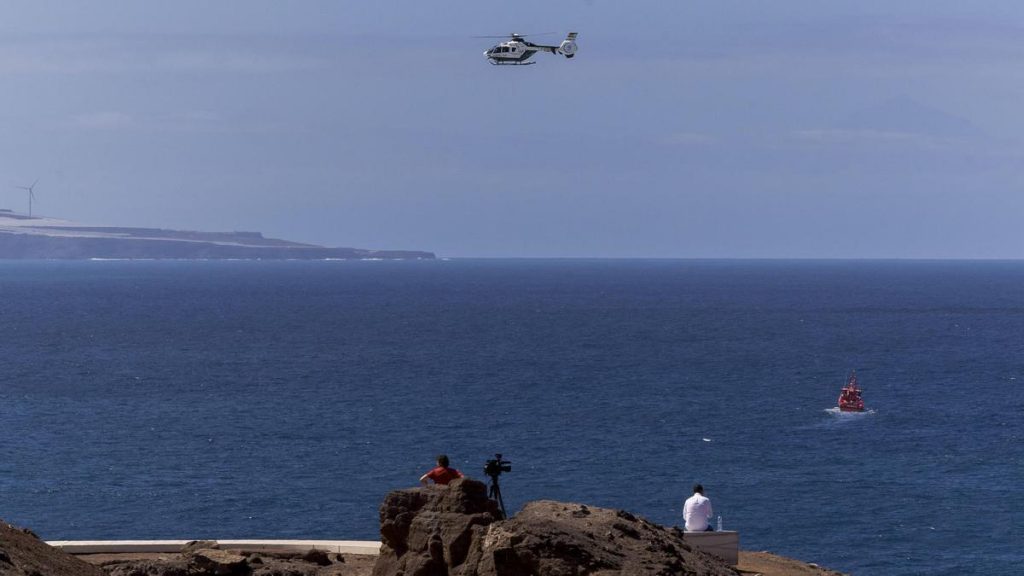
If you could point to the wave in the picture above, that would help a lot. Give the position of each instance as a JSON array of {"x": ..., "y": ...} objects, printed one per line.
[{"x": 835, "y": 411}]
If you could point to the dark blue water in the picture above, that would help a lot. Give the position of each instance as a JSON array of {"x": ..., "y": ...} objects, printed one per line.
[{"x": 256, "y": 399}]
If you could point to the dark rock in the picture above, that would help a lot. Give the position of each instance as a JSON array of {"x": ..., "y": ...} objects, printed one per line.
[
  {"x": 288, "y": 569},
  {"x": 22, "y": 553},
  {"x": 280, "y": 555},
  {"x": 626, "y": 529},
  {"x": 318, "y": 557},
  {"x": 147, "y": 568},
  {"x": 214, "y": 562},
  {"x": 197, "y": 545},
  {"x": 582, "y": 512}
]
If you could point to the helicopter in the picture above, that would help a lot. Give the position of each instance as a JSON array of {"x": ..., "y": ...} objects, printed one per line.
[{"x": 517, "y": 49}]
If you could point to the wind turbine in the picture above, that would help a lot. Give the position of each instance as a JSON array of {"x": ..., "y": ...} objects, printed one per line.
[{"x": 31, "y": 195}]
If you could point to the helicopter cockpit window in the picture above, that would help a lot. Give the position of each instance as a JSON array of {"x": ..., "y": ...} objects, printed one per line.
[{"x": 504, "y": 48}]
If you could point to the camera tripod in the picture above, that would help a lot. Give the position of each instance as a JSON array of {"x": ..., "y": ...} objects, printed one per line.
[{"x": 495, "y": 494}]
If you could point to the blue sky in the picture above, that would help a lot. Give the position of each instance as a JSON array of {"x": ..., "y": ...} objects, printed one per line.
[{"x": 696, "y": 129}]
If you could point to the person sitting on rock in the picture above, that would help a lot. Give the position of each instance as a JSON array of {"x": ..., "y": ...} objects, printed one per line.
[
  {"x": 443, "y": 474},
  {"x": 697, "y": 511}
]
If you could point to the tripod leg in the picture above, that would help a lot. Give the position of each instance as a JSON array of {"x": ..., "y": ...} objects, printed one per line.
[
  {"x": 501, "y": 503},
  {"x": 495, "y": 494}
]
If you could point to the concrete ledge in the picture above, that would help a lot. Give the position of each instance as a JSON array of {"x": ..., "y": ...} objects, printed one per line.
[
  {"x": 366, "y": 547},
  {"x": 117, "y": 546},
  {"x": 724, "y": 544}
]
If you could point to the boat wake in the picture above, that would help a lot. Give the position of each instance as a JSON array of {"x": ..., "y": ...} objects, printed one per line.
[{"x": 835, "y": 411}]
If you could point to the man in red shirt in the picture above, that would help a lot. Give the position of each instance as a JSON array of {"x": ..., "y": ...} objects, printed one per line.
[{"x": 442, "y": 474}]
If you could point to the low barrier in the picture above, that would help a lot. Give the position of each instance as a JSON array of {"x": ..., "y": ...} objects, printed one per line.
[
  {"x": 724, "y": 544},
  {"x": 366, "y": 547}
]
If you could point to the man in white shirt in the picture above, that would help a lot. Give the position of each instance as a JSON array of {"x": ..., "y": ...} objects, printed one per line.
[{"x": 697, "y": 511}]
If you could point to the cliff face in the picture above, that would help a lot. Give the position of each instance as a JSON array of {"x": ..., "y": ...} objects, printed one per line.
[{"x": 23, "y": 237}]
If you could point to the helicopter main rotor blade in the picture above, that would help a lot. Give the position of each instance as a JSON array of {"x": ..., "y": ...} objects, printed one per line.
[{"x": 515, "y": 35}]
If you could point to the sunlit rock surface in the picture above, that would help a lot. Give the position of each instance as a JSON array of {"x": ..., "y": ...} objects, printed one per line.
[{"x": 454, "y": 530}]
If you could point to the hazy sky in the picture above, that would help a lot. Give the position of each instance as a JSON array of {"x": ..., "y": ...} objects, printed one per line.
[{"x": 681, "y": 129}]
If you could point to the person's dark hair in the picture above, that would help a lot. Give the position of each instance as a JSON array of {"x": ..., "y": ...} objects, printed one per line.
[
  {"x": 442, "y": 460},
  {"x": 697, "y": 488}
]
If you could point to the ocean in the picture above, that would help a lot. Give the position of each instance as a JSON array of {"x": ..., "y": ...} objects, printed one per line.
[{"x": 195, "y": 399}]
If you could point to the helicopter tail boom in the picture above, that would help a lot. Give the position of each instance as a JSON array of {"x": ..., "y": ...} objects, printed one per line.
[{"x": 567, "y": 48}]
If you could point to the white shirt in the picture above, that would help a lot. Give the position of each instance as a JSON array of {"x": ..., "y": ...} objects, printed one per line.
[{"x": 696, "y": 512}]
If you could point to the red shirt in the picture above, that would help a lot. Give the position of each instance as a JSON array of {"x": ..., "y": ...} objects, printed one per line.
[{"x": 442, "y": 475}]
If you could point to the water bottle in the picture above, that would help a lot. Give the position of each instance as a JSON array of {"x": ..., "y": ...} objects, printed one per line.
[{"x": 719, "y": 523}]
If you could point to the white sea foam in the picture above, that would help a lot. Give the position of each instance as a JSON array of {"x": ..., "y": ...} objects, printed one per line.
[{"x": 835, "y": 411}]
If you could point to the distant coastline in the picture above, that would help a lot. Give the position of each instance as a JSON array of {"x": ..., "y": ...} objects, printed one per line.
[{"x": 25, "y": 237}]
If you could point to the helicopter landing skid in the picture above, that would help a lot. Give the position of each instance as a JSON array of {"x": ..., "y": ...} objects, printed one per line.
[{"x": 493, "y": 63}]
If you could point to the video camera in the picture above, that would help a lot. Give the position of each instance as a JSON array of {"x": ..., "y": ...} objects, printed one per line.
[
  {"x": 493, "y": 468},
  {"x": 496, "y": 466}
]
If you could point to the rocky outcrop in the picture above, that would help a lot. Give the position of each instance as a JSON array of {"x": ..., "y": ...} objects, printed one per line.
[
  {"x": 23, "y": 554},
  {"x": 428, "y": 531},
  {"x": 455, "y": 531},
  {"x": 556, "y": 538}
]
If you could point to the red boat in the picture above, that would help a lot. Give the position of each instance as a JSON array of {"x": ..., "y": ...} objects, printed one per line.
[{"x": 849, "y": 398}]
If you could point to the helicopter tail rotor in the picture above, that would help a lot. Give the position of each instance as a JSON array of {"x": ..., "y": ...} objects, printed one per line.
[{"x": 568, "y": 46}]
